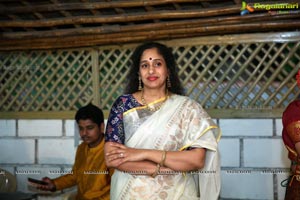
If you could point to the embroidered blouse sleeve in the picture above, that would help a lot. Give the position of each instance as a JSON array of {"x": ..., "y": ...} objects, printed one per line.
[{"x": 115, "y": 128}]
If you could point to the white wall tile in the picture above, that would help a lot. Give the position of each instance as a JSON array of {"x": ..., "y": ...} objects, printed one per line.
[
  {"x": 253, "y": 185},
  {"x": 246, "y": 127},
  {"x": 7, "y": 127},
  {"x": 56, "y": 151},
  {"x": 17, "y": 151},
  {"x": 265, "y": 153},
  {"x": 278, "y": 127},
  {"x": 229, "y": 152},
  {"x": 70, "y": 127},
  {"x": 40, "y": 128}
]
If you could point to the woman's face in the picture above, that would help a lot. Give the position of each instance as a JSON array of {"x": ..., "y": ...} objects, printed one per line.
[{"x": 153, "y": 69}]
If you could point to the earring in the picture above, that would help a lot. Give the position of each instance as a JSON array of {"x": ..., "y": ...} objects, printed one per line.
[
  {"x": 140, "y": 84},
  {"x": 168, "y": 82}
]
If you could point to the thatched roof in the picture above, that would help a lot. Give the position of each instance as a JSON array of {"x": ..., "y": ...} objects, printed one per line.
[{"x": 48, "y": 24}]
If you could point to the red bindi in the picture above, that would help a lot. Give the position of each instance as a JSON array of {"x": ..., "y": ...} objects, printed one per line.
[{"x": 150, "y": 58}]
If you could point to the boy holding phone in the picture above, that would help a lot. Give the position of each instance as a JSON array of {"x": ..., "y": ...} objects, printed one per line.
[{"x": 89, "y": 172}]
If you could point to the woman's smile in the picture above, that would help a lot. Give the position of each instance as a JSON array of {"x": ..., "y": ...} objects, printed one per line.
[{"x": 152, "y": 78}]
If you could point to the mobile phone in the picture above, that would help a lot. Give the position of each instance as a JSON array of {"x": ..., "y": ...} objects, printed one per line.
[{"x": 36, "y": 181}]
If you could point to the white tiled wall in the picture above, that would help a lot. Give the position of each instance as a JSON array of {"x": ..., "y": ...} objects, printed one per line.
[
  {"x": 264, "y": 152},
  {"x": 253, "y": 158},
  {"x": 40, "y": 128},
  {"x": 56, "y": 151},
  {"x": 246, "y": 127},
  {"x": 246, "y": 185},
  {"x": 278, "y": 127},
  {"x": 34, "y": 148},
  {"x": 7, "y": 127},
  {"x": 69, "y": 127},
  {"x": 230, "y": 152},
  {"x": 17, "y": 151}
]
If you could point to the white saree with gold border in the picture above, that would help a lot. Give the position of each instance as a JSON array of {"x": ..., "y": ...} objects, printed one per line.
[{"x": 180, "y": 123}]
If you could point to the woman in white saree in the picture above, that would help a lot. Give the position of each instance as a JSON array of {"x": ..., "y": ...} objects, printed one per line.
[{"x": 164, "y": 149}]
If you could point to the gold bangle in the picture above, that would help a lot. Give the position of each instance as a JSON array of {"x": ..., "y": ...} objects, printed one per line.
[
  {"x": 163, "y": 159},
  {"x": 156, "y": 171}
]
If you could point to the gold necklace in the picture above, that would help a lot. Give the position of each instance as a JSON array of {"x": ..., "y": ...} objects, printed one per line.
[{"x": 154, "y": 108}]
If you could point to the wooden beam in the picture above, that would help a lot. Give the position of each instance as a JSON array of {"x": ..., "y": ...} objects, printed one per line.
[
  {"x": 122, "y": 18},
  {"x": 128, "y": 37},
  {"x": 144, "y": 27},
  {"x": 90, "y": 6}
]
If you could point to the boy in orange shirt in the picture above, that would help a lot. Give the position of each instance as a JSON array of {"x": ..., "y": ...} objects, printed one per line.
[{"x": 89, "y": 172}]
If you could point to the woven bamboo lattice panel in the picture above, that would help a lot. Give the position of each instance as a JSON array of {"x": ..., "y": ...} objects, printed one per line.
[
  {"x": 254, "y": 77},
  {"x": 240, "y": 79},
  {"x": 45, "y": 80}
]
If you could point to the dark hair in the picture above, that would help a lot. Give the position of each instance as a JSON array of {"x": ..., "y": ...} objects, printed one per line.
[
  {"x": 166, "y": 52},
  {"x": 90, "y": 112}
]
